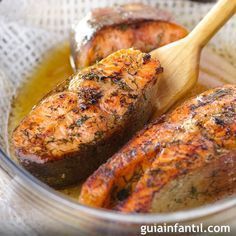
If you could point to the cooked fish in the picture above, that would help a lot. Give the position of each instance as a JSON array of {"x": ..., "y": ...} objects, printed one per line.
[
  {"x": 106, "y": 30},
  {"x": 83, "y": 122},
  {"x": 197, "y": 136}
]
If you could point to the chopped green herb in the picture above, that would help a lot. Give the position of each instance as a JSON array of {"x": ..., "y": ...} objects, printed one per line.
[
  {"x": 99, "y": 134},
  {"x": 80, "y": 121},
  {"x": 123, "y": 27},
  {"x": 193, "y": 191},
  {"x": 178, "y": 200},
  {"x": 90, "y": 76},
  {"x": 159, "y": 38}
]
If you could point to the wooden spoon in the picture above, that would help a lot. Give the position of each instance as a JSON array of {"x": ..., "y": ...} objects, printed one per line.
[{"x": 181, "y": 59}]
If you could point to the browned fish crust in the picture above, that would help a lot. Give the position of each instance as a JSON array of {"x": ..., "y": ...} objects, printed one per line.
[
  {"x": 84, "y": 121},
  {"x": 197, "y": 133}
]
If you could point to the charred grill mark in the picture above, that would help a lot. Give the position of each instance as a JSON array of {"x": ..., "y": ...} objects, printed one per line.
[
  {"x": 159, "y": 70},
  {"x": 146, "y": 58},
  {"x": 219, "y": 121},
  {"x": 90, "y": 76},
  {"x": 204, "y": 100},
  {"x": 123, "y": 85},
  {"x": 116, "y": 79},
  {"x": 62, "y": 96},
  {"x": 76, "y": 110},
  {"x": 98, "y": 76},
  {"x": 89, "y": 96},
  {"x": 132, "y": 96}
]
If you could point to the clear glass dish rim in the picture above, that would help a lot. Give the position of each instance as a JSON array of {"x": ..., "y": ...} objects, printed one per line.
[{"x": 109, "y": 215}]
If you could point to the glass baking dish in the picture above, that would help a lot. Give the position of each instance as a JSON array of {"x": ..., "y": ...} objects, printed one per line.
[{"x": 27, "y": 31}]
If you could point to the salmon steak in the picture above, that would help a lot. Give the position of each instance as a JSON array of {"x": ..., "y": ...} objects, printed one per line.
[
  {"x": 183, "y": 155},
  {"x": 84, "y": 121},
  {"x": 106, "y": 30}
]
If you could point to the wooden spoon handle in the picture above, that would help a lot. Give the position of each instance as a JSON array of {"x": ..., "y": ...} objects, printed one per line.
[{"x": 212, "y": 22}]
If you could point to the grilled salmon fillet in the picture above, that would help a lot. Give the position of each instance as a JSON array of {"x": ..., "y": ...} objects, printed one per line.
[
  {"x": 83, "y": 122},
  {"x": 106, "y": 30},
  {"x": 198, "y": 135}
]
